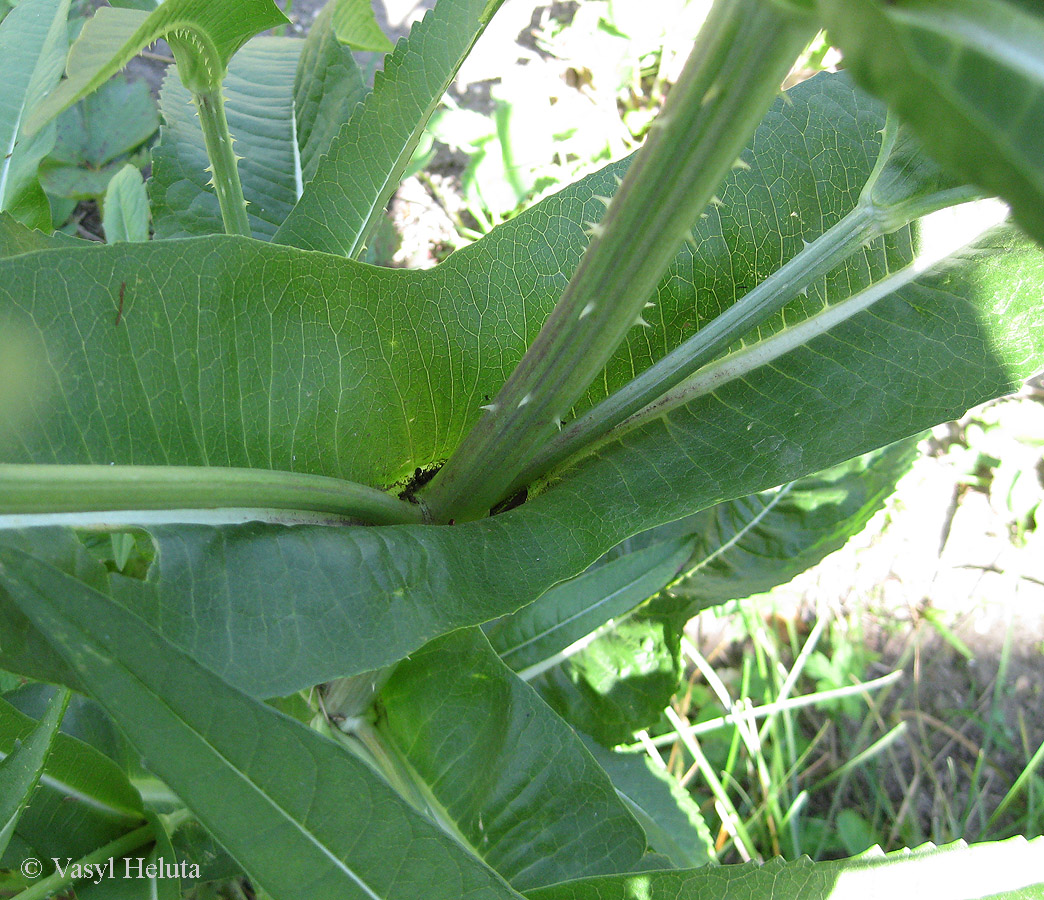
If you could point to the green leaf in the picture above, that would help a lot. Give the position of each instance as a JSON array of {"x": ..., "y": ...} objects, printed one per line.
[
  {"x": 20, "y": 769},
  {"x": 86, "y": 722},
  {"x": 620, "y": 682},
  {"x": 735, "y": 549},
  {"x": 522, "y": 792},
  {"x": 118, "y": 118},
  {"x": 205, "y": 35},
  {"x": 1008, "y": 870},
  {"x": 352, "y": 185},
  {"x": 212, "y": 364},
  {"x": 356, "y": 26},
  {"x": 76, "y": 183},
  {"x": 163, "y": 850},
  {"x": 126, "y": 211},
  {"x": 83, "y": 800},
  {"x": 572, "y": 610},
  {"x": 164, "y": 885},
  {"x": 749, "y": 545},
  {"x": 16, "y": 238},
  {"x": 968, "y": 75},
  {"x": 419, "y": 371},
  {"x": 671, "y": 818},
  {"x": 303, "y": 817},
  {"x": 33, "y": 42},
  {"x": 259, "y": 107},
  {"x": 328, "y": 88}
]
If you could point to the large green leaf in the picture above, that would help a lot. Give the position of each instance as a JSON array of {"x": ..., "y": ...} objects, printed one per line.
[
  {"x": 977, "y": 334},
  {"x": 210, "y": 33},
  {"x": 968, "y": 75},
  {"x": 302, "y": 816},
  {"x": 16, "y": 238},
  {"x": 83, "y": 800},
  {"x": 33, "y": 43},
  {"x": 212, "y": 366},
  {"x": 515, "y": 781},
  {"x": 259, "y": 107},
  {"x": 366, "y": 160},
  {"x": 21, "y": 768},
  {"x": 1009, "y": 870},
  {"x": 240, "y": 379}
]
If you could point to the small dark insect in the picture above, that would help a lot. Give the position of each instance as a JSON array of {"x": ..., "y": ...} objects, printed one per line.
[{"x": 119, "y": 308}]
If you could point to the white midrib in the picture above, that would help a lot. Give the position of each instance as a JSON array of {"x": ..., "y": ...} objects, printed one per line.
[
  {"x": 740, "y": 534},
  {"x": 245, "y": 778},
  {"x": 989, "y": 214},
  {"x": 91, "y": 646},
  {"x": 558, "y": 626},
  {"x": 9, "y": 156},
  {"x": 298, "y": 175}
]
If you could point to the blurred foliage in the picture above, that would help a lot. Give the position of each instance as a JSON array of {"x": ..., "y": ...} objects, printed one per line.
[
  {"x": 546, "y": 129},
  {"x": 1000, "y": 452}
]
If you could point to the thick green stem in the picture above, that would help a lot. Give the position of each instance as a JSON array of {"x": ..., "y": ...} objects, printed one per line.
[
  {"x": 766, "y": 299},
  {"x": 28, "y": 489},
  {"x": 117, "y": 849},
  {"x": 884, "y": 207},
  {"x": 223, "y": 162},
  {"x": 742, "y": 54}
]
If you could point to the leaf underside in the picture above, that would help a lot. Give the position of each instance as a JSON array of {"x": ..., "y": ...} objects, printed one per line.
[
  {"x": 302, "y": 816},
  {"x": 245, "y": 378}
]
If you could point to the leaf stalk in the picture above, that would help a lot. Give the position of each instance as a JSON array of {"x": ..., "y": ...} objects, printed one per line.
[
  {"x": 742, "y": 54},
  {"x": 887, "y": 203},
  {"x": 32, "y": 489},
  {"x": 210, "y": 105}
]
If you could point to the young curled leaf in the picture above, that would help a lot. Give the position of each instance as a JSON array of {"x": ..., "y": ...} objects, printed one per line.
[{"x": 204, "y": 36}]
